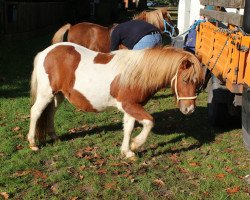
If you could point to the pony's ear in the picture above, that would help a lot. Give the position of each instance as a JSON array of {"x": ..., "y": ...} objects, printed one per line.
[{"x": 185, "y": 64}]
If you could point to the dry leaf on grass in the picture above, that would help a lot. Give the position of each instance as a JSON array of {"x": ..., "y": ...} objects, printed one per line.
[
  {"x": 19, "y": 147},
  {"x": 183, "y": 170},
  {"x": 102, "y": 171},
  {"x": 15, "y": 129},
  {"x": 174, "y": 158},
  {"x": 110, "y": 185},
  {"x": 194, "y": 164},
  {"x": 233, "y": 190},
  {"x": 220, "y": 176},
  {"x": 5, "y": 195},
  {"x": 159, "y": 182},
  {"x": 229, "y": 170}
]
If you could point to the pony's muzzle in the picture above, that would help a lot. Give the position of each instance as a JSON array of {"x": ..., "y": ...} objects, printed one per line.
[{"x": 187, "y": 110}]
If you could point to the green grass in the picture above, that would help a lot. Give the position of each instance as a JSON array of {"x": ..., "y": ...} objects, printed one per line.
[{"x": 183, "y": 158}]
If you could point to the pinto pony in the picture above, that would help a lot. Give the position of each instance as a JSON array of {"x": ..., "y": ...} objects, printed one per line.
[
  {"x": 97, "y": 37},
  {"x": 125, "y": 79}
]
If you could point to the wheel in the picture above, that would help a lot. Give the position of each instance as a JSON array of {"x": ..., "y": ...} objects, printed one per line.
[
  {"x": 217, "y": 110},
  {"x": 221, "y": 109}
]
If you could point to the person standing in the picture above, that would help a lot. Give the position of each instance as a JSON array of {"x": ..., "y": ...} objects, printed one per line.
[{"x": 135, "y": 34}]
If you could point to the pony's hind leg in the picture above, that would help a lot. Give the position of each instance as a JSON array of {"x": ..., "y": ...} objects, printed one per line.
[
  {"x": 36, "y": 125},
  {"x": 54, "y": 106},
  {"x": 128, "y": 126}
]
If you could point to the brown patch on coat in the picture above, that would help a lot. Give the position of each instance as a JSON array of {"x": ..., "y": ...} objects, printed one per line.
[
  {"x": 132, "y": 100},
  {"x": 60, "y": 65},
  {"x": 103, "y": 58}
]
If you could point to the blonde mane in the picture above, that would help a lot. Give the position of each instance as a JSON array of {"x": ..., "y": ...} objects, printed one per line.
[
  {"x": 155, "y": 17},
  {"x": 154, "y": 68}
]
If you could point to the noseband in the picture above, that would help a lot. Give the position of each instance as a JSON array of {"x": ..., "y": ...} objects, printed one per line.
[
  {"x": 166, "y": 23},
  {"x": 176, "y": 91}
]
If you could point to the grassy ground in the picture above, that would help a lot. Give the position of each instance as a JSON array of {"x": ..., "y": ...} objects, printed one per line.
[{"x": 184, "y": 157}]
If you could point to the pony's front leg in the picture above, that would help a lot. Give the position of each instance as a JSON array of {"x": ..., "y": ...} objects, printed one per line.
[
  {"x": 128, "y": 126},
  {"x": 137, "y": 112},
  {"x": 140, "y": 139}
]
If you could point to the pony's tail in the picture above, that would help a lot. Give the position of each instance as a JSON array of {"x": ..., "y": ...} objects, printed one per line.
[
  {"x": 59, "y": 35},
  {"x": 42, "y": 124},
  {"x": 33, "y": 84}
]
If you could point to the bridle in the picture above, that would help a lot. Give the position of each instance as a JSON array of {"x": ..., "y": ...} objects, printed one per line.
[
  {"x": 166, "y": 23},
  {"x": 176, "y": 91}
]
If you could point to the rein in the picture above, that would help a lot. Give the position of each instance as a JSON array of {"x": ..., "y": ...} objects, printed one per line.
[{"x": 176, "y": 91}]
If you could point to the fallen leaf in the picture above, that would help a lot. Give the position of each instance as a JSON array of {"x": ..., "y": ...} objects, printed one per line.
[
  {"x": 247, "y": 179},
  {"x": 5, "y": 195},
  {"x": 110, "y": 185},
  {"x": 19, "y": 147},
  {"x": 100, "y": 162},
  {"x": 229, "y": 170},
  {"x": 116, "y": 164},
  {"x": 83, "y": 167},
  {"x": 2, "y": 124},
  {"x": 38, "y": 174},
  {"x": 183, "y": 170},
  {"x": 206, "y": 194},
  {"x": 194, "y": 164},
  {"x": 233, "y": 190},
  {"x": 159, "y": 182},
  {"x": 220, "y": 175},
  {"x": 17, "y": 128},
  {"x": 174, "y": 158},
  {"x": 88, "y": 149},
  {"x": 229, "y": 150},
  {"x": 54, "y": 188},
  {"x": 79, "y": 153},
  {"x": 102, "y": 171},
  {"x": 74, "y": 198},
  {"x": 25, "y": 117},
  {"x": 21, "y": 173}
]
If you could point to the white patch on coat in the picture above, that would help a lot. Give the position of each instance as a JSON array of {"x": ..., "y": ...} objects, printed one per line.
[{"x": 93, "y": 80}]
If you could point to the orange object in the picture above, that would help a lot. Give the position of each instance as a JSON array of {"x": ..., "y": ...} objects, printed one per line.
[{"x": 226, "y": 54}]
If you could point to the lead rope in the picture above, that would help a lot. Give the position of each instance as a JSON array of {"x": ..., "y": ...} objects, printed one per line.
[{"x": 176, "y": 91}]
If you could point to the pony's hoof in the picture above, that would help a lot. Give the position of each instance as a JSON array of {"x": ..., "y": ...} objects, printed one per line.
[
  {"x": 133, "y": 158},
  {"x": 128, "y": 154},
  {"x": 34, "y": 148},
  {"x": 134, "y": 146}
]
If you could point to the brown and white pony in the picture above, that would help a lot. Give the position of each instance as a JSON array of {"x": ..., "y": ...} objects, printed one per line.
[
  {"x": 125, "y": 79},
  {"x": 97, "y": 37}
]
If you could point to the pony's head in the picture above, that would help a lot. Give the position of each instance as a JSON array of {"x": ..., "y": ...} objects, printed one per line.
[
  {"x": 154, "y": 68},
  {"x": 159, "y": 18},
  {"x": 185, "y": 83},
  {"x": 169, "y": 26}
]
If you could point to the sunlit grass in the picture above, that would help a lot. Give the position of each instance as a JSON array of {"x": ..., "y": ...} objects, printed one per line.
[{"x": 183, "y": 158}]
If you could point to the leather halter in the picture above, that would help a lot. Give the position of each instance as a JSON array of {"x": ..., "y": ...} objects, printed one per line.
[{"x": 176, "y": 91}]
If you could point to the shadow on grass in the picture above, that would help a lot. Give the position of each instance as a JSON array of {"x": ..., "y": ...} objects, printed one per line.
[
  {"x": 166, "y": 123},
  {"x": 14, "y": 90}
]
